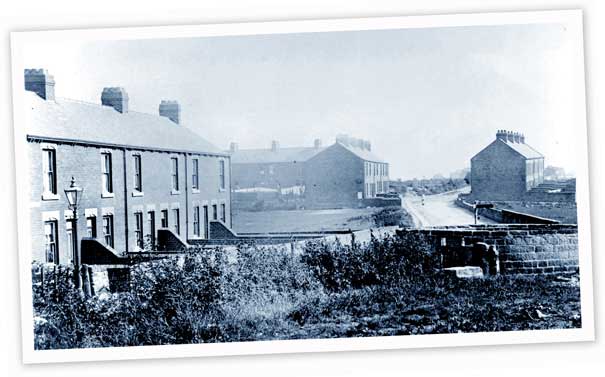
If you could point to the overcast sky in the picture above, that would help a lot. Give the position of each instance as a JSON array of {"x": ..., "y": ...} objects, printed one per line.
[{"x": 428, "y": 99}]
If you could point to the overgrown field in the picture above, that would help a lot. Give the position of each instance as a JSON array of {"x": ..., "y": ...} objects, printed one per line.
[{"x": 388, "y": 286}]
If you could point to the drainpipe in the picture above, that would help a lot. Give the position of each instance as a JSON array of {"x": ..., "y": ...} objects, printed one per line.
[
  {"x": 230, "y": 188},
  {"x": 125, "y": 198},
  {"x": 187, "y": 199}
]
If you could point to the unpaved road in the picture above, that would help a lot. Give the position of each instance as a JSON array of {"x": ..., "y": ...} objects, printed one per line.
[{"x": 439, "y": 210}]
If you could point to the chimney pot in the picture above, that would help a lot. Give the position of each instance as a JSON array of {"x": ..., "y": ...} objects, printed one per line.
[
  {"x": 170, "y": 110},
  {"x": 40, "y": 82},
  {"x": 115, "y": 97},
  {"x": 501, "y": 134}
]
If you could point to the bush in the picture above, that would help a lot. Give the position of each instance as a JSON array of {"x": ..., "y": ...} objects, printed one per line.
[{"x": 379, "y": 262}]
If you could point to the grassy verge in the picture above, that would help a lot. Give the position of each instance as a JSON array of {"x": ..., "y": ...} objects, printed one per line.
[{"x": 388, "y": 286}]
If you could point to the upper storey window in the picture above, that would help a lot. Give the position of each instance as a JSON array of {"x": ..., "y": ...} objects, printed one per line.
[
  {"x": 175, "y": 173},
  {"x": 138, "y": 178},
  {"x": 107, "y": 174},
  {"x": 50, "y": 171},
  {"x": 195, "y": 184},
  {"x": 221, "y": 166}
]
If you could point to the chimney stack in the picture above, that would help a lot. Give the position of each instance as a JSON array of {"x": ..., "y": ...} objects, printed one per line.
[
  {"x": 274, "y": 146},
  {"x": 367, "y": 145},
  {"x": 522, "y": 138},
  {"x": 501, "y": 135},
  {"x": 343, "y": 139},
  {"x": 510, "y": 136},
  {"x": 517, "y": 137},
  {"x": 233, "y": 147},
  {"x": 116, "y": 98},
  {"x": 171, "y": 110},
  {"x": 40, "y": 82},
  {"x": 317, "y": 143}
]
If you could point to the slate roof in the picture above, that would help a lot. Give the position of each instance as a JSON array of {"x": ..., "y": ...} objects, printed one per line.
[
  {"x": 70, "y": 120},
  {"x": 364, "y": 154},
  {"x": 523, "y": 149},
  {"x": 265, "y": 156},
  {"x": 292, "y": 154}
]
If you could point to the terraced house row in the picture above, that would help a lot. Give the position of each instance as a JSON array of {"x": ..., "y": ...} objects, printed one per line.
[{"x": 138, "y": 172}]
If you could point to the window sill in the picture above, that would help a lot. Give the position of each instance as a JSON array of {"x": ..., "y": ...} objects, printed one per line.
[
  {"x": 49, "y": 196},
  {"x": 175, "y": 192},
  {"x": 106, "y": 194},
  {"x": 195, "y": 191},
  {"x": 138, "y": 193}
]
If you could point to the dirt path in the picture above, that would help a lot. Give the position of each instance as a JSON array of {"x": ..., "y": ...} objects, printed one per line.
[{"x": 439, "y": 210}]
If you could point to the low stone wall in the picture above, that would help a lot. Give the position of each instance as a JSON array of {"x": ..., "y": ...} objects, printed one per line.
[
  {"x": 522, "y": 249},
  {"x": 505, "y": 216}
]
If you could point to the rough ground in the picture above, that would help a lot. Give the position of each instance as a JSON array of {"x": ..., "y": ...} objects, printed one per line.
[{"x": 304, "y": 220}]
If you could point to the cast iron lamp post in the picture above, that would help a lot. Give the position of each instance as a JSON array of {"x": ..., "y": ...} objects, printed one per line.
[{"x": 74, "y": 194}]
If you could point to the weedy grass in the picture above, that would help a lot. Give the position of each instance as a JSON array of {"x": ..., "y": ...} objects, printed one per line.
[{"x": 389, "y": 286}]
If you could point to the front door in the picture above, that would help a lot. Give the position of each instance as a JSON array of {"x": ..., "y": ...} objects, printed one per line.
[{"x": 206, "y": 222}]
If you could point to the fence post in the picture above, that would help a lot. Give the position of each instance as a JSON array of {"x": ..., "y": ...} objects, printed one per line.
[
  {"x": 91, "y": 281},
  {"x": 42, "y": 286},
  {"x": 85, "y": 281}
]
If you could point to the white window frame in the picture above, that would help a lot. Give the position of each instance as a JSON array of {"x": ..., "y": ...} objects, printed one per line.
[
  {"x": 195, "y": 175},
  {"x": 137, "y": 162},
  {"x": 107, "y": 175},
  {"x": 47, "y": 194},
  {"x": 174, "y": 184}
]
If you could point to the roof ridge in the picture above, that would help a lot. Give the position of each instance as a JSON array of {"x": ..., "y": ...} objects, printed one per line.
[{"x": 101, "y": 106}]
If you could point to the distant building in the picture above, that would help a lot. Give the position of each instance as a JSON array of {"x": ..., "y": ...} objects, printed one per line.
[
  {"x": 344, "y": 174},
  {"x": 506, "y": 170},
  {"x": 139, "y": 173}
]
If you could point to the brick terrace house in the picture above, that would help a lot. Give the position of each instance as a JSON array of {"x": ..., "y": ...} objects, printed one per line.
[
  {"x": 139, "y": 173},
  {"x": 344, "y": 174},
  {"x": 506, "y": 170}
]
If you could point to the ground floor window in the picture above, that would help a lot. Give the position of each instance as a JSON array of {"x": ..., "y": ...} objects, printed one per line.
[
  {"x": 196, "y": 221},
  {"x": 50, "y": 236},
  {"x": 214, "y": 212},
  {"x": 108, "y": 230},
  {"x": 223, "y": 213},
  {"x": 177, "y": 223},
  {"x": 138, "y": 229}
]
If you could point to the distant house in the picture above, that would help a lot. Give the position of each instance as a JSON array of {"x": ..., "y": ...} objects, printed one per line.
[
  {"x": 139, "y": 173},
  {"x": 275, "y": 167},
  {"x": 344, "y": 174},
  {"x": 506, "y": 170}
]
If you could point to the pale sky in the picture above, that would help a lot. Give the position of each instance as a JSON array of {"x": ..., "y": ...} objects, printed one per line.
[{"x": 428, "y": 99}]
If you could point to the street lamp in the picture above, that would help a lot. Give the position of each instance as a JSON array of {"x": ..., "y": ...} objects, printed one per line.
[{"x": 74, "y": 194}]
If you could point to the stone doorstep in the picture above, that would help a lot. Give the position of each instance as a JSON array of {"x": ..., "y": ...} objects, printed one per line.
[{"x": 465, "y": 272}]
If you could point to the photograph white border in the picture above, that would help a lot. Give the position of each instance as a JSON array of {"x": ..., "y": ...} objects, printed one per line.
[{"x": 571, "y": 18}]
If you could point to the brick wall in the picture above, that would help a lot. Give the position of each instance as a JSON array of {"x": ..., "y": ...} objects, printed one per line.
[
  {"x": 523, "y": 249},
  {"x": 333, "y": 178},
  {"x": 498, "y": 173},
  {"x": 85, "y": 164}
]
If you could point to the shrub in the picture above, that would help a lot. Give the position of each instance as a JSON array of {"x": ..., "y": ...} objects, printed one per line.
[{"x": 385, "y": 261}]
